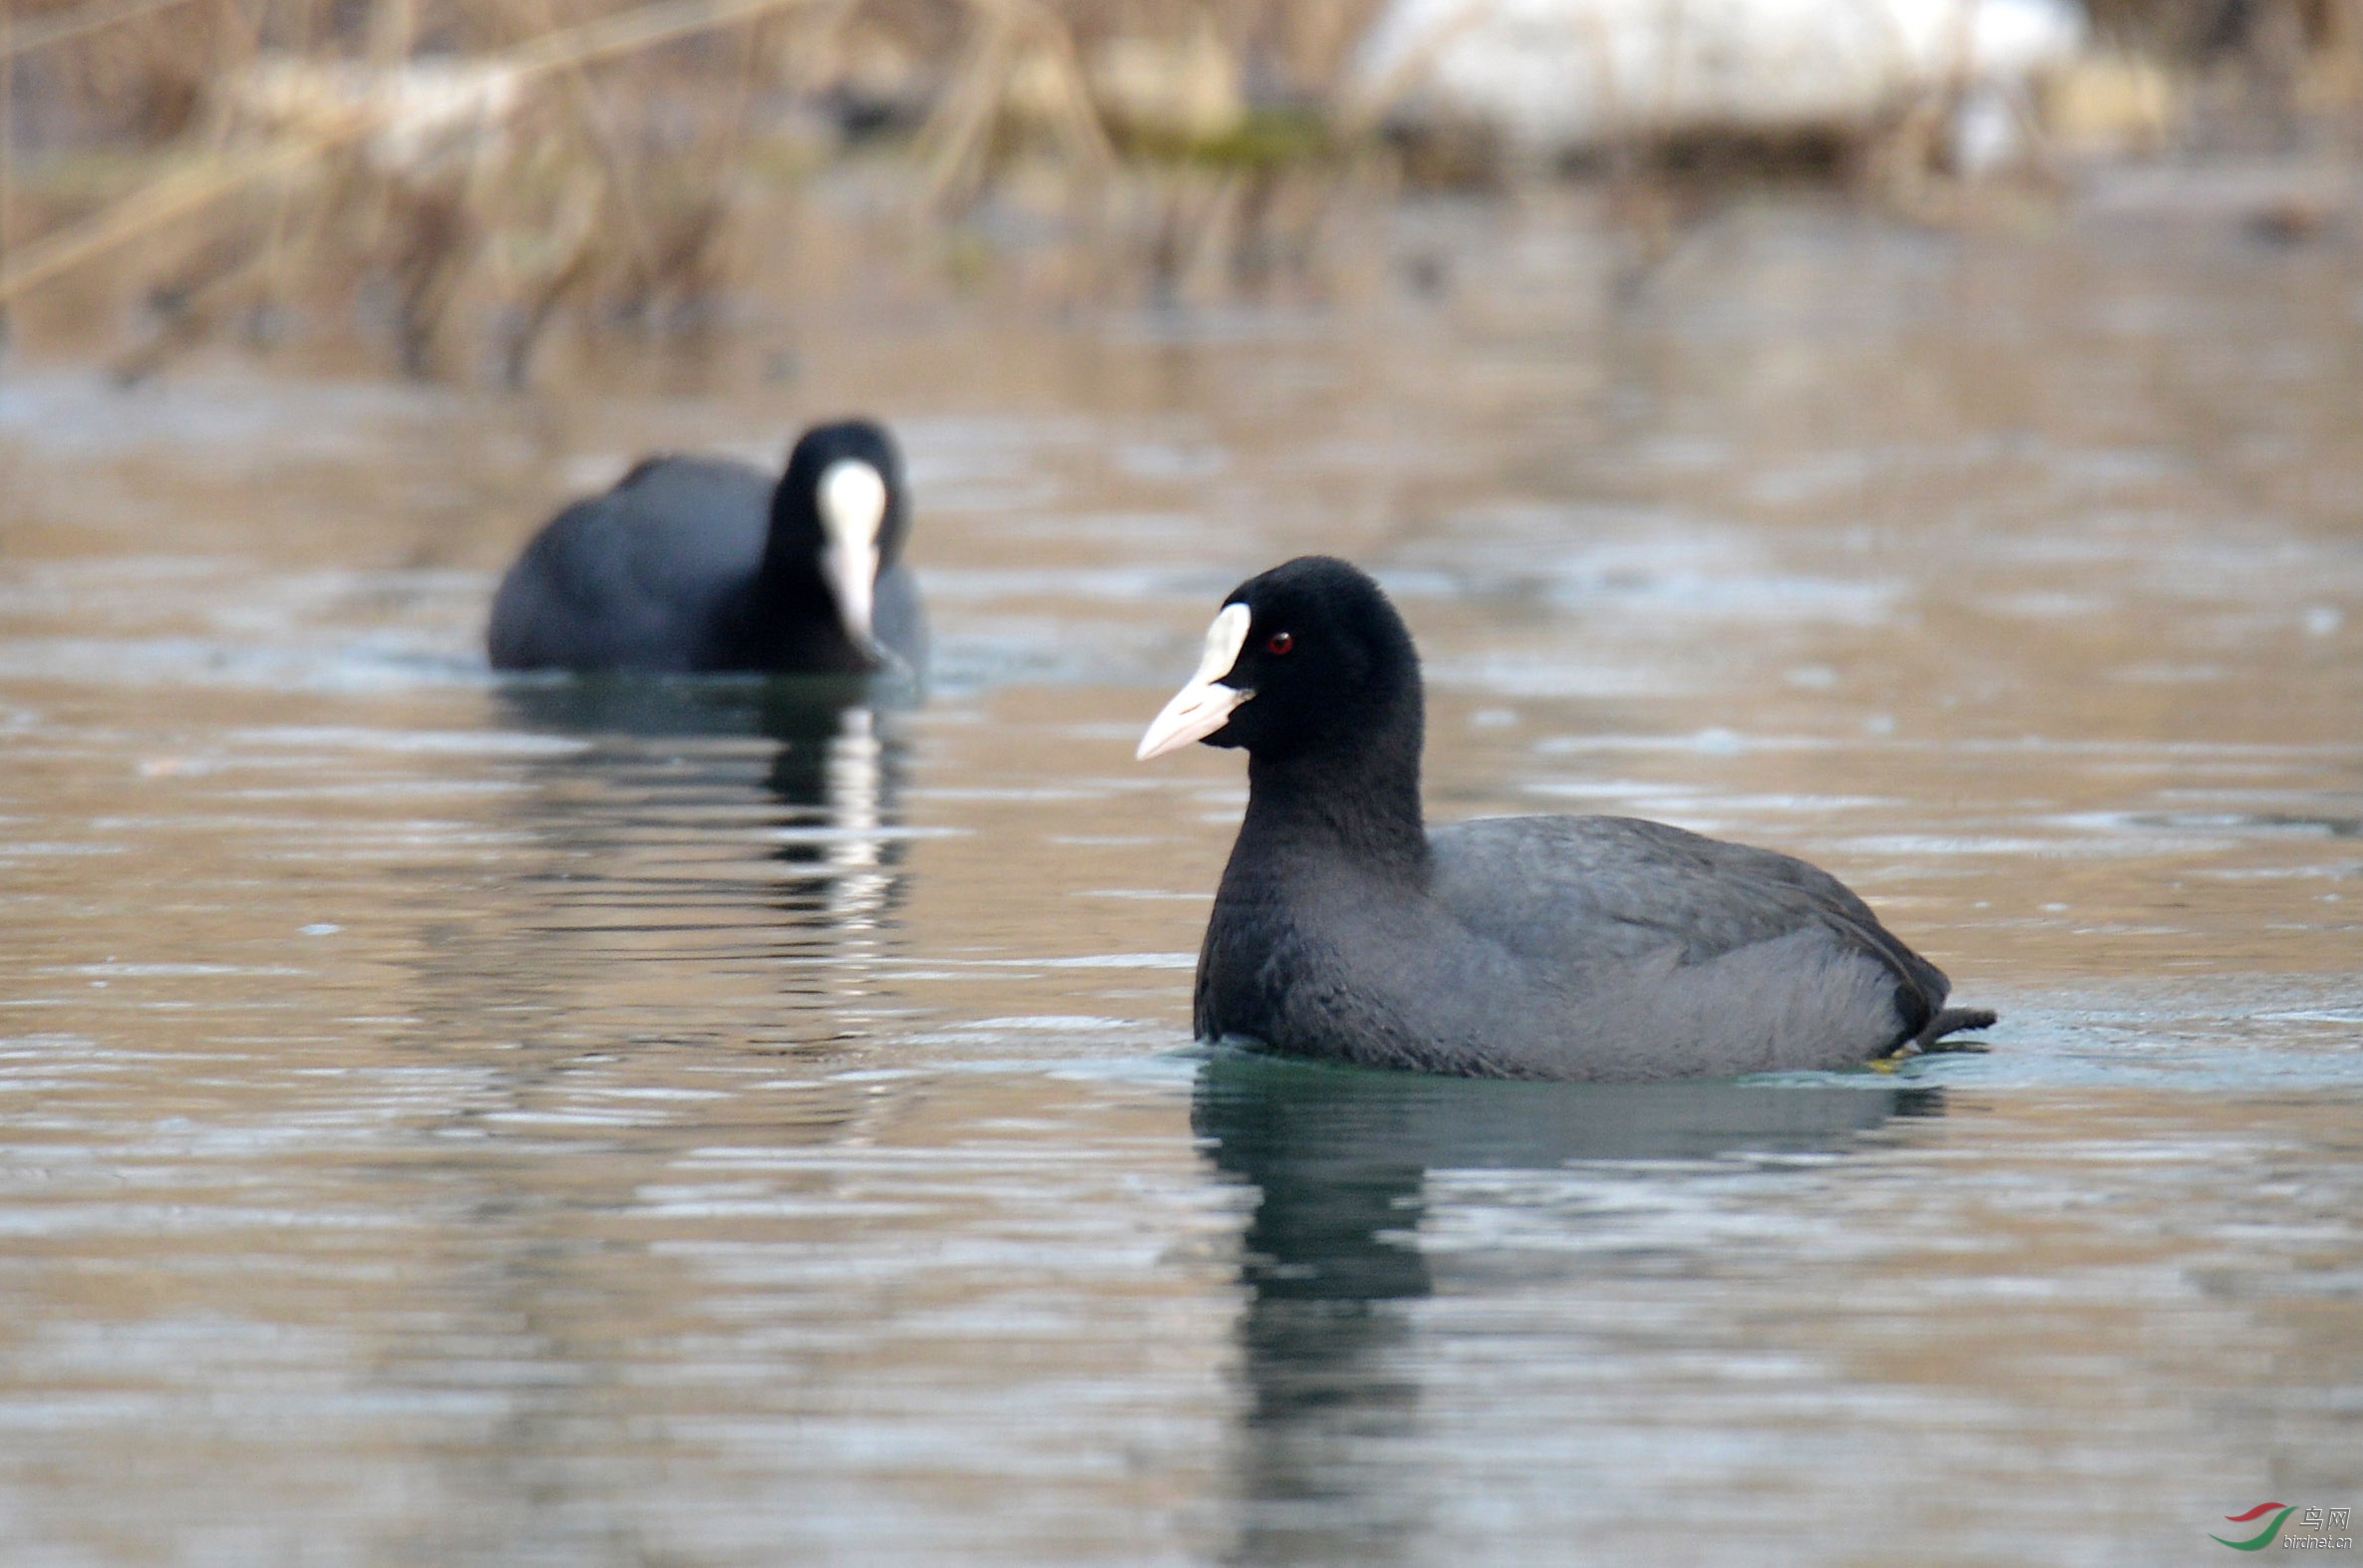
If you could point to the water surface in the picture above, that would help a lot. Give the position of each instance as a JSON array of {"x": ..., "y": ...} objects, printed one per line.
[{"x": 641, "y": 1123}]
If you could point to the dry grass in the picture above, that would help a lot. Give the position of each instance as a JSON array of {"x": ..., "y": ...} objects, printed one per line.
[
  {"x": 462, "y": 175},
  {"x": 553, "y": 155}
]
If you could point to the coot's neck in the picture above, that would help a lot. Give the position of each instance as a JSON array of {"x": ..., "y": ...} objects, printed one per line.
[
  {"x": 1360, "y": 795},
  {"x": 788, "y": 620}
]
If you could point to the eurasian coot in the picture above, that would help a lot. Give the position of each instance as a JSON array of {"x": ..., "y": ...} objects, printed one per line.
[
  {"x": 696, "y": 564},
  {"x": 1544, "y": 947}
]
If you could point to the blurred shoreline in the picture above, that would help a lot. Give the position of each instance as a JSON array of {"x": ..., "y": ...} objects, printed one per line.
[{"x": 473, "y": 195}]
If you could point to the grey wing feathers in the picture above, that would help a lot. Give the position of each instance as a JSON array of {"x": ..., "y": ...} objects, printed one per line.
[
  {"x": 606, "y": 583},
  {"x": 1579, "y": 887}
]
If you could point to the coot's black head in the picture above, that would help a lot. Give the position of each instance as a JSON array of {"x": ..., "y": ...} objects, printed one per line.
[
  {"x": 1308, "y": 659},
  {"x": 840, "y": 513}
]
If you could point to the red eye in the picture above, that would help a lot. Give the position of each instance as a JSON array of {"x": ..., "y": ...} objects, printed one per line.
[{"x": 1279, "y": 642}]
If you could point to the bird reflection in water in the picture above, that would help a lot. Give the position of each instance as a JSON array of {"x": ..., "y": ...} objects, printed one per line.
[
  {"x": 1339, "y": 1160},
  {"x": 840, "y": 774},
  {"x": 717, "y": 872},
  {"x": 669, "y": 756}
]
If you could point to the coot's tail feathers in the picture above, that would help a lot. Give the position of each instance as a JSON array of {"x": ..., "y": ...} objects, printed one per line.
[{"x": 1953, "y": 1021}]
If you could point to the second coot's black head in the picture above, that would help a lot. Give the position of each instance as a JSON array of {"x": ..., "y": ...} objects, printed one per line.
[{"x": 839, "y": 521}]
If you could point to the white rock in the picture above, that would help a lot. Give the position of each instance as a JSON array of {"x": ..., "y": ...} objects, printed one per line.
[{"x": 1554, "y": 76}]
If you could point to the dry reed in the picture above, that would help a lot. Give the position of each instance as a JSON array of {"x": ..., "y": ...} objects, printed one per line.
[{"x": 436, "y": 162}]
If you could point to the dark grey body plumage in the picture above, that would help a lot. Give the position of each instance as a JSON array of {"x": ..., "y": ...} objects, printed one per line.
[
  {"x": 694, "y": 566},
  {"x": 1545, "y": 947}
]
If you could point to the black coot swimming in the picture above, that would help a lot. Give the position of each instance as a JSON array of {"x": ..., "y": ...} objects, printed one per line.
[
  {"x": 1541, "y": 947},
  {"x": 701, "y": 565}
]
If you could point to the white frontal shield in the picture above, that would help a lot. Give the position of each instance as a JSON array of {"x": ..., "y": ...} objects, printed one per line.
[
  {"x": 852, "y": 506},
  {"x": 1204, "y": 704}
]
